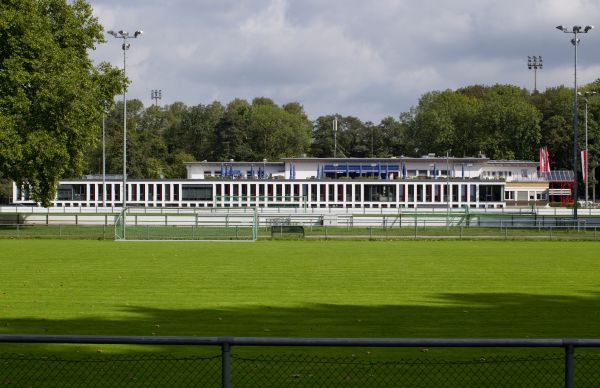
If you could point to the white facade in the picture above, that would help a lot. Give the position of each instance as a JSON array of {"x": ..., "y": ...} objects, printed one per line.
[{"x": 324, "y": 183}]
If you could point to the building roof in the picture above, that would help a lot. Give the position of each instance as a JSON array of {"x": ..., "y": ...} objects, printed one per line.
[{"x": 387, "y": 160}]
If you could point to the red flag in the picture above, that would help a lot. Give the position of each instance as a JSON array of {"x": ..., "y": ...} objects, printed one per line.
[
  {"x": 547, "y": 157},
  {"x": 542, "y": 163},
  {"x": 583, "y": 165}
]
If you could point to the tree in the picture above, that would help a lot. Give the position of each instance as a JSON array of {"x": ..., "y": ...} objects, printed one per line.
[
  {"x": 322, "y": 137},
  {"x": 448, "y": 121},
  {"x": 511, "y": 124},
  {"x": 51, "y": 95},
  {"x": 499, "y": 121},
  {"x": 201, "y": 122},
  {"x": 232, "y": 132},
  {"x": 276, "y": 133},
  {"x": 394, "y": 138}
]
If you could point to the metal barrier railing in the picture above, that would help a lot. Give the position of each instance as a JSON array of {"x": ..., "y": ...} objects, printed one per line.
[{"x": 226, "y": 344}]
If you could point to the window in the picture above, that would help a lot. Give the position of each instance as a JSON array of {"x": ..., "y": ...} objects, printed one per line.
[
  {"x": 70, "y": 193},
  {"x": 197, "y": 193},
  {"x": 490, "y": 193},
  {"x": 380, "y": 193}
]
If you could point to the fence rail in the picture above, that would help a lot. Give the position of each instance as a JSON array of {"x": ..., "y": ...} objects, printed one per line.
[
  {"x": 425, "y": 229},
  {"x": 555, "y": 371}
]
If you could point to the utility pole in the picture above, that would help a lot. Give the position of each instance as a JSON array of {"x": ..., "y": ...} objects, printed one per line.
[
  {"x": 575, "y": 41},
  {"x": 125, "y": 36},
  {"x": 335, "y": 127}
]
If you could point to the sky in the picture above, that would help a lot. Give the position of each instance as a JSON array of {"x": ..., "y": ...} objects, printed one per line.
[{"x": 351, "y": 57}]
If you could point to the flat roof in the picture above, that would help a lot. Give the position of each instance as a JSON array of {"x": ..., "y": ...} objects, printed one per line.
[
  {"x": 239, "y": 163},
  {"x": 388, "y": 160}
]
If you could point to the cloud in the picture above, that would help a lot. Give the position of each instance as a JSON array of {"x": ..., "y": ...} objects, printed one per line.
[{"x": 366, "y": 59}]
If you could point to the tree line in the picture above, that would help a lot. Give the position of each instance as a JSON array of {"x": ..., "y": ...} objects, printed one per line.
[{"x": 500, "y": 121}]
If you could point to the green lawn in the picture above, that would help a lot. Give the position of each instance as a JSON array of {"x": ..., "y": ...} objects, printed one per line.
[{"x": 301, "y": 289}]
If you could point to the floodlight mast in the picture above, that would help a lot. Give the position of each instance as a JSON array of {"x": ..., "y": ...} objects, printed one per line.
[
  {"x": 575, "y": 41},
  {"x": 122, "y": 34},
  {"x": 535, "y": 63}
]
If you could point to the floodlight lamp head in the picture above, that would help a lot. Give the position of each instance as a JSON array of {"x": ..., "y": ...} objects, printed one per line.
[
  {"x": 111, "y": 32},
  {"x": 138, "y": 33},
  {"x": 587, "y": 28},
  {"x": 562, "y": 28},
  {"x": 576, "y": 28},
  {"x": 123, "y": 33}
]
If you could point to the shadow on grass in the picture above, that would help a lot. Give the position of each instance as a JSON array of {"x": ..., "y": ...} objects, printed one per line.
[
  {"x": 481, "y": 315},
  {"x": 450, "y": 315}
]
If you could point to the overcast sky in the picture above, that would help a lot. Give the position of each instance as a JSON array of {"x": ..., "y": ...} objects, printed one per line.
[{"x": 352, "y": 57}]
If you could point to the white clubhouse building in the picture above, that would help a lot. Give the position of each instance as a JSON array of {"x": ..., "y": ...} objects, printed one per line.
[{"x": 397, "y": 182}]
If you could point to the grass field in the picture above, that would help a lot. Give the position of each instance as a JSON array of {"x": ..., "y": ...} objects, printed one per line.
[{"x": 302, "y": 289}]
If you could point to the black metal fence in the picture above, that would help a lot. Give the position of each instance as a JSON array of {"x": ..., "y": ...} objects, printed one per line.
[{"x": 560, "y": 368}]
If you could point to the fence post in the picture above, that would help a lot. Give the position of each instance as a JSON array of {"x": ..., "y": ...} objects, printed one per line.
[
  {"x": 461, "y": 232},
  {"x": 370, "y": 233},
  {"x": 595, "y": 233},
  {"x": 569, "y": 365},
  {"x": 225, "y": 365}
]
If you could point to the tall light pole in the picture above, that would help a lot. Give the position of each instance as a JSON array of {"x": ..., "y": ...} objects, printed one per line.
[
  {"x": 585, "y": 98},
  {"x": 535, "y": 63},
  {"x": 156, "y": 95},
  {"x": 448, "y": 188},
  {"x": 335, "y": 127},
  {"x": 576, "y": 30},
  {"x": 125, "y": 36},
  {"x": 103, "y": 158}
]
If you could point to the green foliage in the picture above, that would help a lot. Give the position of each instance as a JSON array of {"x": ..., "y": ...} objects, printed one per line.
[
  {"x": 51, "y": 95},
  {"x": 277, "y": 133},
  {"x": 498, "y": 121},
  {"x": 5, "y": 190}
]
